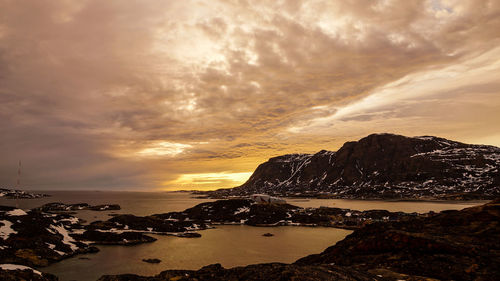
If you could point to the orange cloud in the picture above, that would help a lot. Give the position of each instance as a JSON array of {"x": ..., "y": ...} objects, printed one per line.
[{"x": 138, "y": 94}]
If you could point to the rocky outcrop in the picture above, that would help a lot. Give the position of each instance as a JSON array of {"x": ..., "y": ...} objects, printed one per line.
[
  {"x": 269, "y": 271},
  {"x": 61, "y": 207},
  {"x": 15, "y": 272},
  {"x": 35, "y": 238},
  {"x": 382, "y": 166},
  {"x": 151, "y": 260},
  {"x": 20, "y": 194},
  {"x": 243, "y": 211},
  {"x": 114, "y": 238},
  {"x": 451, "y": 245}
]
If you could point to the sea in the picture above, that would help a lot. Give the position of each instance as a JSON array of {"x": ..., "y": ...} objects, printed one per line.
[{"x": 229, "y": 245}]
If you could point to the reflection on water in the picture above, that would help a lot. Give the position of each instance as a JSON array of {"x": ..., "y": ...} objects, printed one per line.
[
  {"x": 392, "y": 206},
  {"x": 230, "y": 245}
]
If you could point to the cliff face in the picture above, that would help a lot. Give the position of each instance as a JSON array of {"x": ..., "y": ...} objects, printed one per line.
[{"x": 384, "y": 166}]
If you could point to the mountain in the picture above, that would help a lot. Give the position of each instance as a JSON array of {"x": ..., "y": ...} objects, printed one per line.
[{"x": 383, "y": 166}]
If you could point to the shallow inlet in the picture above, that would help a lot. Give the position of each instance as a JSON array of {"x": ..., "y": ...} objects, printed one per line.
[{"x": 230, "y": 245}]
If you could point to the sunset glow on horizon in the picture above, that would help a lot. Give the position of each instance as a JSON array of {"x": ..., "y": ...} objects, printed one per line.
[{"x": 168, "y": 95}]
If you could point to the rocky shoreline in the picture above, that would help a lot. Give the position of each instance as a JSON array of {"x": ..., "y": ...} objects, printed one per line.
[
  {"x": 384, "y": 242},
  {"x": 50, "y": 233},
  {"x": 61, "y": 207},
  {"x": 451, "y": 245},
  {"x": 20, "y": 194},
  {"x": 247, "y": 212}
]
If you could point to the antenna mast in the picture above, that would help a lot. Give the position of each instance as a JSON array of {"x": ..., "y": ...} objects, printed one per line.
[{"x": 19, "y": 176}]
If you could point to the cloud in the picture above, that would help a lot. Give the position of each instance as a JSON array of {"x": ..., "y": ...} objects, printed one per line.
[{"x": 136, "y": 94}]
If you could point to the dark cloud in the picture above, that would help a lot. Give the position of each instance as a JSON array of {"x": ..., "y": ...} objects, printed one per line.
[{"x": 91, "y": 90}]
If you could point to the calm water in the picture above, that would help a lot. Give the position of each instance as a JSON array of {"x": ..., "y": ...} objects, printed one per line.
[
  {"x": 230, "y": 245},
  {"x": 393, "y": 206},
  {"x": 137, "y": 203}
]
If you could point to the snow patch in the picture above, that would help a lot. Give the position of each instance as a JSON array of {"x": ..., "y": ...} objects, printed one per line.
[
  {"x": 68, "y": 240},
  {"x": 71, "y": 220},
  {"x": 242, "y": 210},
  {"x": 16, "y": 212},
  {"x": 52, "y": 247},
  {"x": 6, "y": 230},
  {"x": 9, "y": 266}
]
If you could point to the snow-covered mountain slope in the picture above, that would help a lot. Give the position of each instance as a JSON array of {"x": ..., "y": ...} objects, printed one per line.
[{"x": 384, "y": 166}]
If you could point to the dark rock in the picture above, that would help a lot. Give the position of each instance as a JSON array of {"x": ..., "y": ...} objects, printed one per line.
[
  {"x": 105, "y": 207},
  {"x": 458, "y": 245},
  {"x": 189, "y": 235},
  {"x": 148, "y": 224},
  {"x": 269, "y": 271},
  {"x": 151, "y": 260},
  {"x": 20, "y": 194},
  {"x": 112, "y": 238},
  {"x": 62, "y": 207},
  {"x": 244, "y": 211},
  {"x": 129, "y": 277},
  {"x": 269, "y": 214},
  {"x": 38, "y": 239},
  {"x": 220, "y": 211},
  {"x": 25, "y": 274},
  {"x": 268, "y": 234}
]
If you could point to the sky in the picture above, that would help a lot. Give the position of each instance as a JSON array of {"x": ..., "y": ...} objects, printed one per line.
[{"x": 165, "y": 95}]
